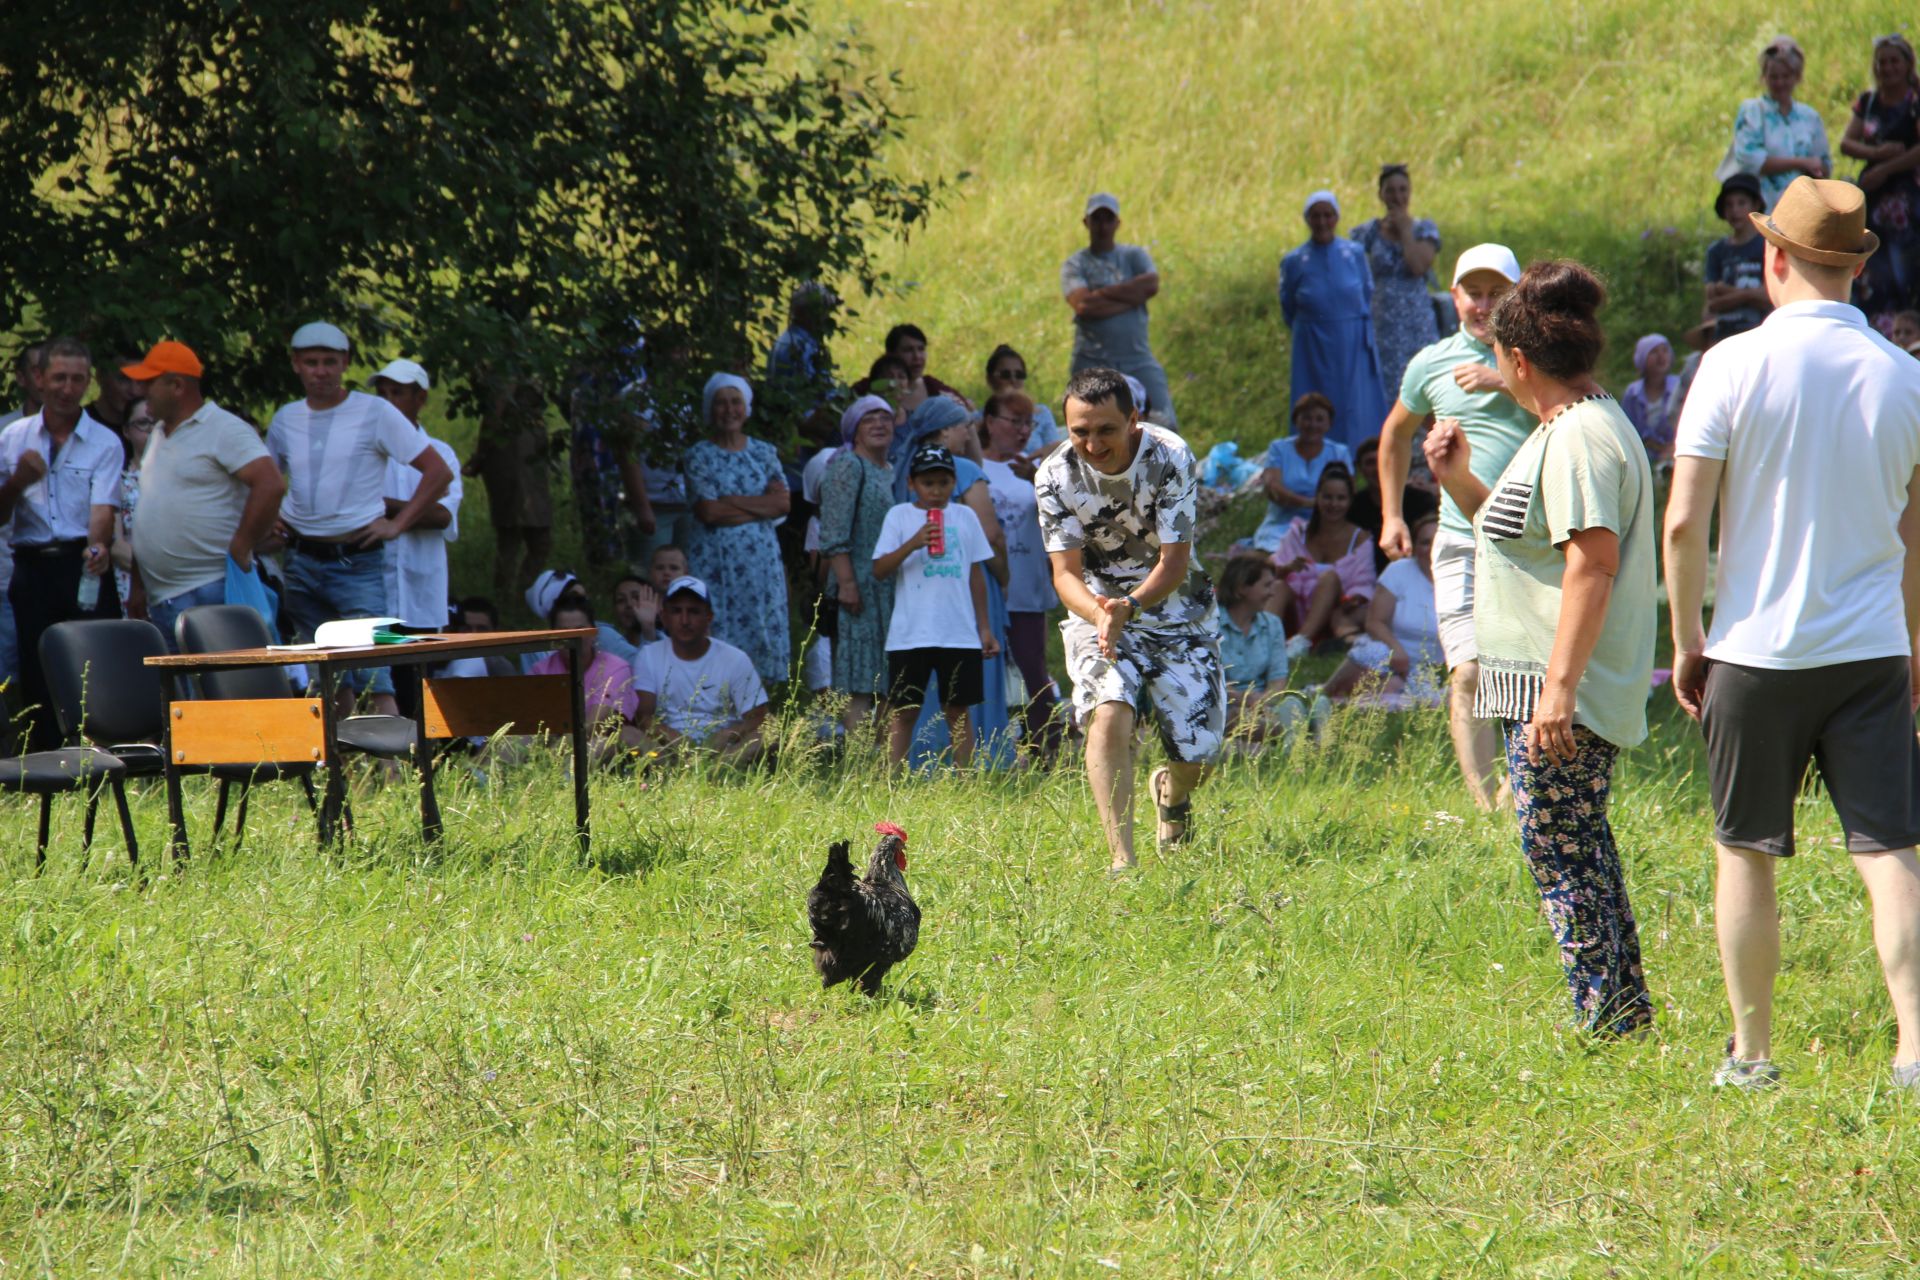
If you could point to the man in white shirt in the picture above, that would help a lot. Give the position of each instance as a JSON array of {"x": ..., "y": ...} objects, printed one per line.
[
  {"x": 696, "y": 691},
  {"x": 61, "y": 473},
  {"x": 26, "y": 372},
  {"x": 417, "y": 559},
  {"x": 334, "y": 446},
  {"x": 1810, "y": 424},
  {"x": 208, "y": 491}
]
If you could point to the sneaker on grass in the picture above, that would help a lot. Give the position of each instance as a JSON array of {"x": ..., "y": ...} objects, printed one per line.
[
  {"x": 1753, "y": 1074},
  {"x": 1906, "y": 1075}
]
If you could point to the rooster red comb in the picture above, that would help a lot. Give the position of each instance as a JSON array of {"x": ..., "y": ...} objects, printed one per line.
[{"x": 890, "y": 829}]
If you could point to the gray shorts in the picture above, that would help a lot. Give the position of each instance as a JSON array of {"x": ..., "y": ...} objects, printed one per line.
[
  {"x": 1177, "y": 675},
  {"x": 1854, "y": 720}
]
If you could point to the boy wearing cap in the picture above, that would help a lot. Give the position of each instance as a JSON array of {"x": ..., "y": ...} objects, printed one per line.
[
  {"x": 1117, "y": 514},
  {"x": 1455, "y": 380},
  {"x": 1809, "y": 426},
  {"x": 209, "y": 493},
  {"x": 939, "y": 626},
  {"x": 1107, "y": 285},
  {"x": 334, "y": 446},
  {"x": 416, "y": 568},
  {"x": 1736, "y": 292},
  {"x": 695, "y": 690}
]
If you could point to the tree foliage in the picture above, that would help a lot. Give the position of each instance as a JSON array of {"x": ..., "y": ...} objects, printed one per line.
[{"x": 505, "y": 189}]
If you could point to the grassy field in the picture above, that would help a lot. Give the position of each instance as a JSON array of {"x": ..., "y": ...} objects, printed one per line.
[
  {"x": 1319, "y": 1041},
  {"x": 1561, "y": 130}
]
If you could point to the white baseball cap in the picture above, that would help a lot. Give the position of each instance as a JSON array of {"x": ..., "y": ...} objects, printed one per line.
[
  {"x": 687, "y": 582},
  {"x": 320, "y": 334},
  {"x": 1102, "y": 200},
  {"x": 547, "y": 589},
  {"x": 406, "y": 373},
  {"x": 1487, "y": 257}
]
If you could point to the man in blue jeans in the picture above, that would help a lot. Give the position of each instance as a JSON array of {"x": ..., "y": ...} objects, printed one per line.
[
  {"x": 208, "y": 490},
  {"x": 334, "y": 445}
]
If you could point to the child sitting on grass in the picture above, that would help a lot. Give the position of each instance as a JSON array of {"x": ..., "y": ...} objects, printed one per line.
[
  {"x": 939, "y": 625},
  {"x": 1253, "y": 649}
]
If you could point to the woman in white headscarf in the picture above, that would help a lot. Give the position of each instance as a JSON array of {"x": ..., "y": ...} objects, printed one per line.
[
  {"x": 1326, "y": 297},
  {"x": 738, "y": 493}
]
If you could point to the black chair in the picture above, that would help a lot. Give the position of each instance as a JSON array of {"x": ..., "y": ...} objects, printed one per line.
[
  {"x": 218, "y": 628},
  {"x": 106, "y": 696},
  {"x": 50, "y": 773}
]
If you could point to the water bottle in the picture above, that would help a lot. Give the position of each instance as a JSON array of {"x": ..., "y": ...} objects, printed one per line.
[{"x": 88, "y": 597}]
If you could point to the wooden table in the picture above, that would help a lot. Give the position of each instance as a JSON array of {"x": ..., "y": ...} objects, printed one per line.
[{"x": 295, "y": 730}]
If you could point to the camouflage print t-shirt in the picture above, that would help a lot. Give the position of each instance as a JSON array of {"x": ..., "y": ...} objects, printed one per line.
[{"x": 1118, "y": 523}]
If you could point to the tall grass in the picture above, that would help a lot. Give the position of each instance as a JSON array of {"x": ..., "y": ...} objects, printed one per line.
[{"x": 1319, "y": 1040}]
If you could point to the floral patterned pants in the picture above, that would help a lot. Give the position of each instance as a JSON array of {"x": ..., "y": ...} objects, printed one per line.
[{"x": 1569, "y": 847}]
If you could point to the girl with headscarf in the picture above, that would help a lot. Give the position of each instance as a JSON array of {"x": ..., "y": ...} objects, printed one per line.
[
  {"x": 855, "y": 495},
  {"x": 1652, "y": 401},
  {"x": 1326, "y": 297},
  {"x": 944, "y": 421},
  {"x": 738, "y": 493}
]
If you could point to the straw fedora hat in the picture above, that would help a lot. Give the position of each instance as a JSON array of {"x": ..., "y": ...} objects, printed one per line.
[{"x": 1820, "y": 221}]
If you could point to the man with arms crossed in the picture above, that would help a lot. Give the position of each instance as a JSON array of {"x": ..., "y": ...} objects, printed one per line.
[
  {"x": 1810, "y": 423},
  {"x": 1107, "y": 285},
  {"x": 1117, "y": 520},
  {"x": 1455, "y": 380}
]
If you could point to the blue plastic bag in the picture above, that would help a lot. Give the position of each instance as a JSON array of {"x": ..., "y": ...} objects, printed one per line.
[
  {"x": 1224, "y": 468},
  {"x": 245, "y": 586}
]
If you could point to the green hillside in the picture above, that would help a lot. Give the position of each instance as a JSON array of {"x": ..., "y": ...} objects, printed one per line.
[{"x": 1561, "y": 130}]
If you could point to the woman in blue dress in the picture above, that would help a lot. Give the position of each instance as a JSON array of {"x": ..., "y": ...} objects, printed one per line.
[
  {"x": 943, "y": 420},
  {"x": 738, "y": 492},
  {"x": 1400, "y": 251},
  {"x": 1326, "y": 296}
]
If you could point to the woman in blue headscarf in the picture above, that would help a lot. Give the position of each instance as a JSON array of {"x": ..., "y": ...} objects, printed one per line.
[
  {"x": 738, "y": 493},
  {"x": 1326, "y": 296},
  {"x": 943, "y": 420}
]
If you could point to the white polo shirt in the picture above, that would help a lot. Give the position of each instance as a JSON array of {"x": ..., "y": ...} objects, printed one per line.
[
  {"x": 417, "y": 559},
  {"x": 83, "y": 475},
  {"x": 336, "y": 461},
  {"x": 1817, "y": 418}
]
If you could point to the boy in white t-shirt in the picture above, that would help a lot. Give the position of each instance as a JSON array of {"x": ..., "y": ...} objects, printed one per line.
[
  {"x": 939, "y": 625},
  {"x": 695, "y": 691}
]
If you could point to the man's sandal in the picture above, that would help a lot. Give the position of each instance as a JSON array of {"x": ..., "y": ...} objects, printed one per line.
[{"x": 1175, "y": 820}]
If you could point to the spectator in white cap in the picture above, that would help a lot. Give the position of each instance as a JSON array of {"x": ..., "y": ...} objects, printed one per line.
[
  {"x": 1326, "y": 297},
  {"x": 695, "y": 691},
  {"x": 1107, "y": 285},
  {"x": 1455, "y": 380},
  {"x": 417, "y": 559},
  {"x": 334, "y": 446}
]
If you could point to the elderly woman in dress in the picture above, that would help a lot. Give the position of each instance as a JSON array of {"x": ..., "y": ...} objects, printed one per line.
[
  {"x": 1400, "y": 251},
  {"x": 1774, "y": 137},
  {"x": 1326, "y": 297},
  {"x": 855, "y": 496},
  {"x": 738, "y": 492}
]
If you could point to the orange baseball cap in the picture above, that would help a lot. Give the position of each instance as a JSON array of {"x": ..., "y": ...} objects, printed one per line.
[{"x": 165, "y": 357}]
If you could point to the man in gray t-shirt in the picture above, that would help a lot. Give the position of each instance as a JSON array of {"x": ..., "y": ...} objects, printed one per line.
[{"x": 1107, "y": 285}]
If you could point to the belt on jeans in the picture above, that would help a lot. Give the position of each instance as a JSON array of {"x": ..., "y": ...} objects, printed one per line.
[
  {"x": 63, "y": 548},
  {"x": 313, "y": 549}
]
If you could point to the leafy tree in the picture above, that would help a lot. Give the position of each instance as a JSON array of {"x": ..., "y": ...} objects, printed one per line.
[{"x": 506, "y": 189}]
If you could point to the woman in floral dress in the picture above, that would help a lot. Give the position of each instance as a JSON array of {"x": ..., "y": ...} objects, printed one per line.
[
  {"x": 1885, "y": 134},
  {"x": 1400, "y": 250},
  {"x": 738, "y": 492}
]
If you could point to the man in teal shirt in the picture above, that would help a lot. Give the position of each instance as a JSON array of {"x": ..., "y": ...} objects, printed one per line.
[{"x": 1455, "y": 380}]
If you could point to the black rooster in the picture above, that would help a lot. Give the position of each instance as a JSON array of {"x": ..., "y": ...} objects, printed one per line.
[{"x": 862, "y": 928}]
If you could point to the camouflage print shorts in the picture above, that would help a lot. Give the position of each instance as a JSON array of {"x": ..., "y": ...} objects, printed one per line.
[{"x": 1175, "y": 674}]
